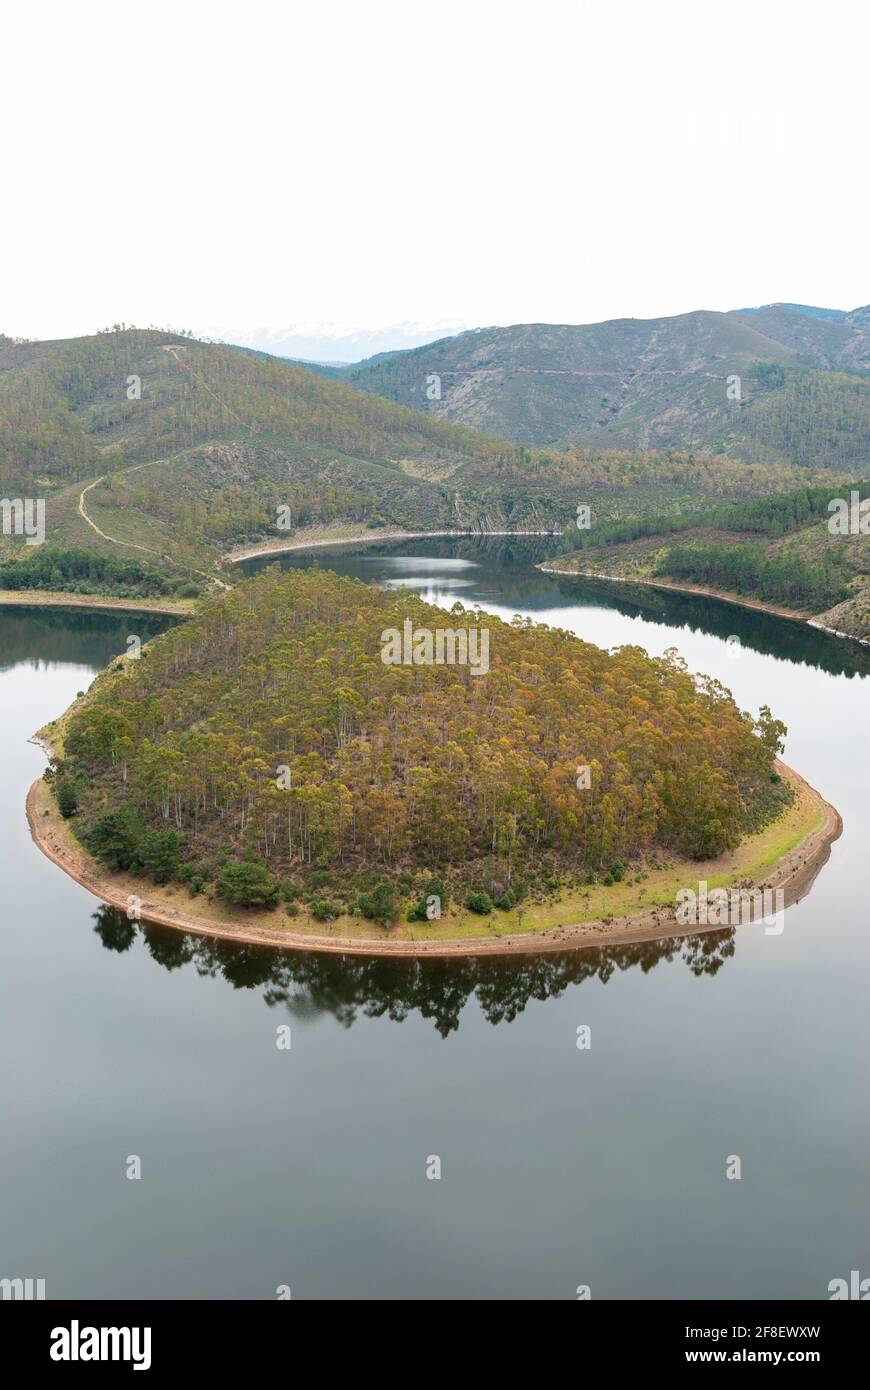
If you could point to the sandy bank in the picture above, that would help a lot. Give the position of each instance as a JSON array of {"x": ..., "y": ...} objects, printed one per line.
[
  {"x": 818, "y": 823},
  {"x": 43, "y": 598},
  {"x": 367, "y": 538}
]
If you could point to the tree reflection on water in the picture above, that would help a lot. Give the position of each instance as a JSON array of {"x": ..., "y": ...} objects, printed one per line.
[{"x": 348, "y": 986}]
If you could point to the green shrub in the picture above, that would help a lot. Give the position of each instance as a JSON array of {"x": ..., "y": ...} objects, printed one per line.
[
  {"x": 195, "y": 876},
  {"x": 248, "y": 883},
  {"x": 159, "y": 853},
  {"x": 381, "y": 904},
  {"x": 479, "y": 902},
  {"x": 324, "y": 911},
  {"x": 67, "y": 799},
  {"x": 115, "y": 838}
]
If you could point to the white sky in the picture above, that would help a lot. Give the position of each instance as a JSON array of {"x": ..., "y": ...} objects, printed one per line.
[{"x": 399, "y": 169}]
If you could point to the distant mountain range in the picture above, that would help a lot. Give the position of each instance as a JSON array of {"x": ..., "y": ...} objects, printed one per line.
[
  {"x": 733, "y": 383},
  {"x": 812, "y": 310}
]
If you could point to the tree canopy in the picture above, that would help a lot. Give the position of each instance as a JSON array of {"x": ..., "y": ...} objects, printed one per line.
[{"x": 268, "y": 726}]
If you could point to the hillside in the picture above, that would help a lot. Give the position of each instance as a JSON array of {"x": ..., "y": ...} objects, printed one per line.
[
  {"x": 266, "y": 749},
  {"x": 70, "y": 408},
  {"x": 657, "y": 383},
  {"x": 164, "y": 453},
  {"x": 778, "y": 551},
  {"x": 821, "y": 337}
]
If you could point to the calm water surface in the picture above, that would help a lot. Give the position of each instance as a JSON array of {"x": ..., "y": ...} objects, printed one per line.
[{"x": 264, "y": 1167}]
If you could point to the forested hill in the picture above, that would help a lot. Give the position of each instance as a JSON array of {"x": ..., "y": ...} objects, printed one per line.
[
  {"x": 270, "y": 726},
  {"x": 169, "y": 452},
  {"x": 70, "y": 409},
  {"x": 728, "y": 382}
]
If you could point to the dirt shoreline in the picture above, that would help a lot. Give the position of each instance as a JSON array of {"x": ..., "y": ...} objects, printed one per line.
[
  {"x": 696, "y": 590},
  {"x": 753, "y": 604},
  {"x": 36, "y": 598},
  {"x": 235, "y": 557},
  {"x": 794, "y": 873}
]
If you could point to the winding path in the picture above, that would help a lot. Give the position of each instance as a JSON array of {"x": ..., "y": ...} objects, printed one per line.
[{"x": 133, "y": 545}]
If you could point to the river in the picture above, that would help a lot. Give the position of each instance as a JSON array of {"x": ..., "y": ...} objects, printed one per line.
[{"x": 307, "y": 1166}]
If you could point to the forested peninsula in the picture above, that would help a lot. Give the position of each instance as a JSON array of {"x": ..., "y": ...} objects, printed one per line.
[{"x": 317, "y": 755}]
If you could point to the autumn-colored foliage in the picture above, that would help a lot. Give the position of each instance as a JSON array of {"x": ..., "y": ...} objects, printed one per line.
[{"x": 401, "y": 766}]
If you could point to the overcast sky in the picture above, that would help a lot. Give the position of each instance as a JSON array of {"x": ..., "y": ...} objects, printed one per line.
[{"x": 331, "y": 180}]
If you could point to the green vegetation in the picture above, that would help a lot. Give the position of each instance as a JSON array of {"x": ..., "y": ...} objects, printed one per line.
[
  {"x": 405, "y": 781},
  {"x": 159, "y": 853},
  {"x": 481, "y": 903},
  {"x": 797, "y": 562},
  {"x": 213, "y": 442},
  {"x": 67, "y": 799},
  {"x": 66, "y": 412},
  {"x": 381, "y": 904},
  {"x": 115, "y": 838},
  {"x": 808, "y": 416},
  {"x": 803, "y": 399},
  {"x": 771, "y": 516},
  {"x": 248, "y": 883},
  {"x": 748, "y": 569},
  {"x": 79, "y": 571}
]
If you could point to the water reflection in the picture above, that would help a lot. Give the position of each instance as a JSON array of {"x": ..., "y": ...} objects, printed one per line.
[
  {"x": 348, "y": 987},
  {"x": 78, "y": 636},
  {"x": 786, "y": 639},
  {"x": 504, "y": 573}
]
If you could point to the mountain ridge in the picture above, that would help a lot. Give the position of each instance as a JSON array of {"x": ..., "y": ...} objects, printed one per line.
[
  {"x": 680, "y": 381},
  {"x": 176, "y": 452}
]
